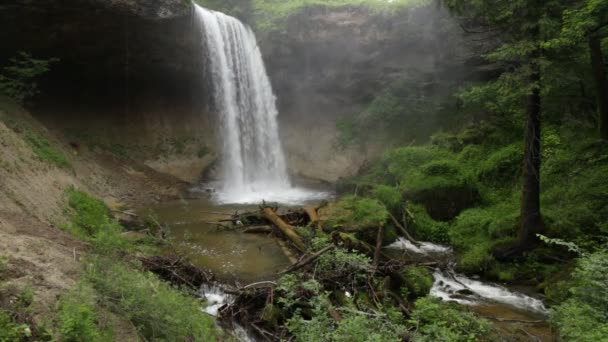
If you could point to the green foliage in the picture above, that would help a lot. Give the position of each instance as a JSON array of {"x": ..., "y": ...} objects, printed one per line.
[
  {"x": 354, "y": 327},
  {"x": 78, "y": 319},
  {"x": 418, "y": 281},
  {"x": 42, "y": 149},
  {"x": 436, "y": 321},
  {"x": 271, "y": 15},
  {"x": 11, "y": 331},
  {"x": 18, "y": 80},
  {"x": 477, "y": 231},
  {"x": 158, "y": 311},
  {"x": 427, "y": 229},
  {"x": 502, "y": 167},
  {"x": 90, "y": 219},
  {"x": 342, "y": 263},
  {"x": 584, "y": 316}
]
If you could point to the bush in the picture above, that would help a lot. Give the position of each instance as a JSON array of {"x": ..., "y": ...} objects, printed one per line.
[
  {"x": 436, "y": 321},
  {"x": 10, "y": 331},
  {"x": 584, "y": 316},
  {"x": 502, "y": 167},
  {"x": 418, "y": 281},
  {"x": 389, "y": 196},
  {"x": 78, "y": 317},
  {"x": 42, "y": 149},
  {"x": 477, "y": 231},
  {"x": 158, "y": 311}
]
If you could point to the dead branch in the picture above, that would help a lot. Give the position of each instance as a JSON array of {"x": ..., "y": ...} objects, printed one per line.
[{"x": 308, "y": 260}]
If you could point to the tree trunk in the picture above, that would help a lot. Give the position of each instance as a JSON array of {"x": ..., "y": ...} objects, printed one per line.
[
  {"x": 531, "y": 221},
  {"x": 286, "y": 229},
  {"x": 601, "y": 83}
]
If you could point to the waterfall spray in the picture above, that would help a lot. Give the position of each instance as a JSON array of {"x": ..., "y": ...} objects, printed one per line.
[{"x": 253, "y": 165}]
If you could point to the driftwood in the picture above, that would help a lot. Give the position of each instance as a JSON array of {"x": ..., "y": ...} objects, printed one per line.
[{"x": 285, "y": 228}]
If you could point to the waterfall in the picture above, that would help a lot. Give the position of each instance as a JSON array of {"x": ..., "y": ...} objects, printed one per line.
[{"x": 253, "y": 160}]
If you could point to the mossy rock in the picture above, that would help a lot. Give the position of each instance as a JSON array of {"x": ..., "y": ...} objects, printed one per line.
[
  {"x": 502, "y": 167},
  {"x": 354, "y": 214},
  {"x": 443, "y": 187}
]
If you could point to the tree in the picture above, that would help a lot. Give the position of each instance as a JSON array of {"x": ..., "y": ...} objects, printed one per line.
[
  {"x": 586, "y": 23},
  {"x": 521, "y": 29}
]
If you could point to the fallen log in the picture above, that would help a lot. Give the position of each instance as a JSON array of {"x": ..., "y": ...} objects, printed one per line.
[
  {"x": 286, "y": 229},
  {"x": 314, "y": 217}
]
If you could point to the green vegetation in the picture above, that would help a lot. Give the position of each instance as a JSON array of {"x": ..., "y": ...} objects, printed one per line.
[
  {"x": 44, "y": 151},
  {"x": 157, "y": 310},
  {"x": 18, "y": 80},
  {"x": 272, "y": 15},
  {"x": 584, "y": 315}
]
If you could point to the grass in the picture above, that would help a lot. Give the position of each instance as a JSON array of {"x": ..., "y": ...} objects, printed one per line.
[
  {"x": 159, "y": 311},
  {"x": 44, "y": 151}
]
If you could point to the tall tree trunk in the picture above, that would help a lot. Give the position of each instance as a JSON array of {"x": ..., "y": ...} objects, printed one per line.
[
  {"x": 601, "y": 83},
  {"x": 531, "y": 221}
]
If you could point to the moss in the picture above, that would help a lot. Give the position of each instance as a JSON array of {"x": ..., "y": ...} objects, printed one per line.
[
  {"x": 426, "y": 228},
  {"x": 352, "y": 213}
]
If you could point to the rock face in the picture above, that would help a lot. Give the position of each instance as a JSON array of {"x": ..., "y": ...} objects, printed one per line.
[
  {"x": 131, "y": 78},
  {"x": 330, "y": 62},
  {"x": 128, "y": 80}
]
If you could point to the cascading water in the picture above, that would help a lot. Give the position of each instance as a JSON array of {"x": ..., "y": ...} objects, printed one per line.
[{"x": 254, "y": 165}]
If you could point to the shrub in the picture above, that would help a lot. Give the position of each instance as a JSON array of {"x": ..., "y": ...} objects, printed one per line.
[
  {"x": 18, "y": 80},
  {"x": 78, "y": 317},
  {"x": 389, "y": 196},
  {"x": 158, "y": 311},
  {"x": 584, "y": 316},
  {"x": 418, "y": 281},
  {"x": 436, "y": 321},
  {"x": 476, "y": 231},
  {"x": 42, "y": 149},
  {"x": 11, "y": 331},
  {"x": 502, "y": 167}
]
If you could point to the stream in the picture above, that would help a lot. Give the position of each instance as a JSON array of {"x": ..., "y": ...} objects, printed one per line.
[{"x": 240, "y": 259}]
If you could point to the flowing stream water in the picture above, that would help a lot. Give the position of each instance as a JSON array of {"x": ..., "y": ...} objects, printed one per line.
[{"x": 253, "y": 163}]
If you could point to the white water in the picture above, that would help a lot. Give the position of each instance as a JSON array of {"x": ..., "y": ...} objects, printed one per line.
[
  {"x": 447, "y": 287},
  {"x": 254, "y": 167},
  {"x": 424, "y": 248},
  {"x": 450, "y": 286},
  {"x": 216, "y": 298}
]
